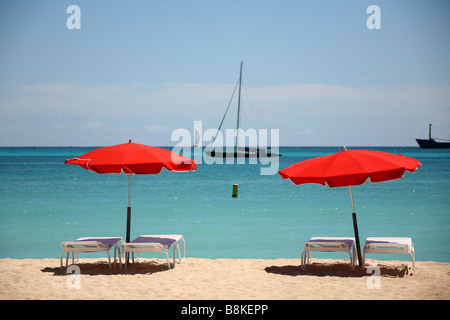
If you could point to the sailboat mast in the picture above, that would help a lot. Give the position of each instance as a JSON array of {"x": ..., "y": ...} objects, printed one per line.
[{"x": 239, "y": 107}]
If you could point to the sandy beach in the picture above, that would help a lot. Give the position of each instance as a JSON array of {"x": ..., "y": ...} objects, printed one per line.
[{"x": 227, "y": 279}]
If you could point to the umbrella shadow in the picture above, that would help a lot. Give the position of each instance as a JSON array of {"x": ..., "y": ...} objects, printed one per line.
[
  {"x": 337, "y": 269},
  {"x": 102, "y": 268}
]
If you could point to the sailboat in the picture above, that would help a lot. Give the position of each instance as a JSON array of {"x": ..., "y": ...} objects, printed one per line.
[
  {"x": 246, "y": 152},
  {"x": 197, "y": 139},
  {"x": 431, "y": 143}
]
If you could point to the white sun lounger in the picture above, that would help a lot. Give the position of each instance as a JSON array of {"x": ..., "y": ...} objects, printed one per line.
[
  {"x": 155, "y": 243},
  {"x": 389, "y": 245},
  {"x": 91, "y": 244},
  {"x": 329, "y": 244}
]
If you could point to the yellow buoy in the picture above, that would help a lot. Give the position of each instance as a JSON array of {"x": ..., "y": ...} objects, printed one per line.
[{"x": 235, "y": 190}]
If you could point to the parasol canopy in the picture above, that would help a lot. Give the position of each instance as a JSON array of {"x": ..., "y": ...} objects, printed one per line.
[{"x": 132, "y": 158}]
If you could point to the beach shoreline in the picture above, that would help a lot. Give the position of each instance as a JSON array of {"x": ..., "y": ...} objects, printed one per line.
[{"x": 223, "y": 279}]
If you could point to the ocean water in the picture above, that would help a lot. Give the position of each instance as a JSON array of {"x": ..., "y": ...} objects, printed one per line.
[{"x": 44, "y": 202}]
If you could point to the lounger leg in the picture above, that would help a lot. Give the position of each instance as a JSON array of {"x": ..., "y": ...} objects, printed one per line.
[
  {"x": 168, "y": 262},
  {"x": 352, "y": 261},
  {"x": 184, "y": 250},
  {"x": 126, "y": 256},
  {"x": 174, "y": 247},
  {"x": 413, "y": 262},
  {"x": 120, "y": 260},
  {"x": 61, "y": 257},
  {"x": 109, "y": 260},
  {"x": 115, "y": 252},
  {"x": 179, "y": 256},
  {"x": 303, "y": 259},
  {"x": 67, "y": 258}
]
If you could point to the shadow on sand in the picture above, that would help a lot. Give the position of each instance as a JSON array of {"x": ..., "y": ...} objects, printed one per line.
[
  {"x": 338, "y": 269},
  {"x": 102, "y": 268}
]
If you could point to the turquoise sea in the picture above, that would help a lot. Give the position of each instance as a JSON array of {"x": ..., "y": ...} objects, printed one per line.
[{"x": 44, "y": 202}]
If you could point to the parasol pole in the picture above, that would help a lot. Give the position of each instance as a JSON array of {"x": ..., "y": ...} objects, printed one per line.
[
  {"x": 129, "y": 210},
  {"x": 355, "y": 227},
  {"x": 129, "y": 206},
  {"x": 128, "y": 217}
]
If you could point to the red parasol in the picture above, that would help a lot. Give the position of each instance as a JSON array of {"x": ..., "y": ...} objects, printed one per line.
[
  {"x": 132, "y": 158},
  {"x": 350, "y": 168}
]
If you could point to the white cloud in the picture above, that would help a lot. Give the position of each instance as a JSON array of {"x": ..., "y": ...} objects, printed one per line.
[
  {"x": 157, "y": 129},
  {"x": 306, "y": 132},
  {"x": 95, "y": 124},
  {"x": 306, "y": 114}
]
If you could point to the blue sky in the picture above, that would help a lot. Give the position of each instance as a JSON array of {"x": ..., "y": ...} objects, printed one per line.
[{"x": 142, "y": 68}]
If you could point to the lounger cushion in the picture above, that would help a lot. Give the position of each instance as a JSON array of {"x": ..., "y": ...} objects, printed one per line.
[
  {"x": 390, "y": 241},
  {"x": 348, "y": 241},
  {"x": 164, "y": 241},
  {"x": 107, "y": 242}
]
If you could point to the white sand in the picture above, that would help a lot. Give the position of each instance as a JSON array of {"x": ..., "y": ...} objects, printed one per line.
[{"x": 226, "y": 279}]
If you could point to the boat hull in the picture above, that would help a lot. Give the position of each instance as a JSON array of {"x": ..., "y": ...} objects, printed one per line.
[
  {"x": 218, "y": 154},
  {"x": 432, "y": 144}
]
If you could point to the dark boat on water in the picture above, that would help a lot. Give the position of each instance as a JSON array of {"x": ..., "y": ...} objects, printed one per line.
[
  {"x": 243, "y": 152},
  {"x": 431, "y": 143}
]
